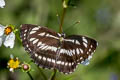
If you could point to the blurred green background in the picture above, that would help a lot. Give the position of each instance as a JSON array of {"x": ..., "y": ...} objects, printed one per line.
[{"x": 99, "y": 19}]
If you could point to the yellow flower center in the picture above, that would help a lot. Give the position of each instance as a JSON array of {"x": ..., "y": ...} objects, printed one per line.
[
  {"x": 8, "y": 30},
  {"x": 13, "y": 64}
]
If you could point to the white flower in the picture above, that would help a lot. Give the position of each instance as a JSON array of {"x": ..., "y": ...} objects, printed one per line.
[
  {"x": 7, "y": 36},
  {"x": 2, "y": 3}
]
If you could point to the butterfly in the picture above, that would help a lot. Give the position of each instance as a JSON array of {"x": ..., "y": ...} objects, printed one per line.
[{"x": 53, "y": 50}]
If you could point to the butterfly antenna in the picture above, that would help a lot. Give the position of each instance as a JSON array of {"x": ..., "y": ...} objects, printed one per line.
[{"x": 73, "y": 25}]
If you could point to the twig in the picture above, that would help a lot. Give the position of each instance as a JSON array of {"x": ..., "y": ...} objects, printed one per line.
[
  {"x": 53, "y": 75},
  {"x": 30, "y": 75},
  {"x": 62, "y": 20}
]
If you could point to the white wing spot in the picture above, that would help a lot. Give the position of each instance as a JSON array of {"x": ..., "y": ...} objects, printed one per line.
[
  {"x": 81, "y": 58},
  {"x": 85, "y": 40},
  {"x": 66, "y": 63},
  {"x": 68, "y": 52},
  {"x": 91, "y": 46},
  {"x": 36, "y": 55},
  {"x": 36, "y": 28},
  {"x": 77, "y": 50},
  {"x": 85, "y": 44},
  {"x": 42, "y": 45},
  {"x": 66, "y": 73},
  {"x": 27, "y": 45},
  {"x": 69, "y": 40},
  {"x": 43, "y": 48},
  {"x": 42, "y": 34},
  {"x": 77, "y": 60},
  {"x": 62, "y": 63},
  {"x": 70, "y": 72},
  {"x": 24, "y": 38},
  {"x": 25, "y": 31},
  {"x": 70, "y": 64},
  {"x": 29, "y": 49},
  {"x": 48, "y": 35},
  {"x": 89, "y": 57},
  {"x": 59, "y": 34},
  {"x": 81, "y": 50},
  {"x": 32, "y": 32},
  {"x": 77, "y": 42},
  {"x": 39, "y": 27},
  {"x": 44, "y": 58},
  {"x": 31, "y": 39},
  {"x": 24, "y": 35},
  {"x": 89, "y": 50},
  {"x": 48, "y": 59},
  {"x": 92, "y": 53},
  {"x": 82, "y": 62},
  {"x": 58, "y": 62},
  {"x": 35, "y": 41},
  {"x": 53, "y": 61},
  {"x": 48, "y": 48},
  {"x": 53, "y": 48},
  {"x": 39, "y": 57},
  {"x": 62, "y": 51},
  {"x": 73, "y": 51},
  {"x": 39, "y": 43}
]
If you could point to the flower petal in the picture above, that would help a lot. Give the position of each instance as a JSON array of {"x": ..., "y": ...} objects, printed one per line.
[
  {"x": 1, "y": 30},
  {"x": 9, "y": 40},
  {"x": 0, "y": 41},
  {"x": 2, "y": 3},
  {"x": 11, "y": 70}
]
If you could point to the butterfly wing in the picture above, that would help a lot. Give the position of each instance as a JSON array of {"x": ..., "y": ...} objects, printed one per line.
[
  {"x": 82, "y": 47},
  {"x": 47, "y": 51},
  {"x": 41, "y": 43},
  {"x": 80, "y": 50}
]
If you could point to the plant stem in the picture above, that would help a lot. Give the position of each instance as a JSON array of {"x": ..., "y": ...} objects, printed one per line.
[
  {"x": 45, "y": 78},
  {"x": 62, "y": 20},
  {"x": 30, "y": 75},
  {"x": 53, "y": 75},
  {"x": 60, "y": 31}
]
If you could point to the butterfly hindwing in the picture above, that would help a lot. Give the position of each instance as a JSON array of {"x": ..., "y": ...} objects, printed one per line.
[{"x": 81, "y": 47}]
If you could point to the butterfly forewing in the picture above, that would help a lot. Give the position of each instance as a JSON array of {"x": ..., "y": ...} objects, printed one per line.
[
  {"x": 48, "y": 50},
  {"x": 41, "y": 43}
]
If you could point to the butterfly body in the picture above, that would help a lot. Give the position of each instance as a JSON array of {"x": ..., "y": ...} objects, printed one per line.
[{"x": 52, "y": 50}]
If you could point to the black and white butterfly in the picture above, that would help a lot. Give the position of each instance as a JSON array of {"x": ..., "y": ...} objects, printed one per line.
[{"x": 52, "y": 50}]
